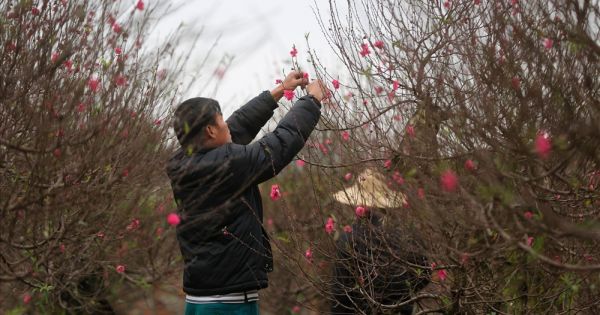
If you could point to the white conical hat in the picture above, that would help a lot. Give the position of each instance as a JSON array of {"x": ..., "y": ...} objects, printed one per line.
[{"x": 370, "y": 190}]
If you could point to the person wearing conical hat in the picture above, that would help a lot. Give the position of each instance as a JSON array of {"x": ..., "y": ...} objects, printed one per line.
[{"x": 367, "y": 274}]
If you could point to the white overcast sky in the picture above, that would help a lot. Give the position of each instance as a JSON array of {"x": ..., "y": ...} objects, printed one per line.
[{"x": 258, "y": 34}]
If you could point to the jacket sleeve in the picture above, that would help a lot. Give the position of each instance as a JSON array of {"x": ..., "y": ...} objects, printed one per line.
[
  {"x": 245, "y": 123},
  {"x": 266, "y": 157}
]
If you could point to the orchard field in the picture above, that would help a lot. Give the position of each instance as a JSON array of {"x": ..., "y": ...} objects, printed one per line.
[{"x": 480, "y": 116}]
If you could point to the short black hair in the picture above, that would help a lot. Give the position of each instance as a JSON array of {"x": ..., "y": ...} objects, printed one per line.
[{"x": 192, "y": 116}]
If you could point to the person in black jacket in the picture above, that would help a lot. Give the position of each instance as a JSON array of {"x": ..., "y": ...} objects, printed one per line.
[
  {"x": 378, "y": 267},
  {"x": 215, "y": 176}
]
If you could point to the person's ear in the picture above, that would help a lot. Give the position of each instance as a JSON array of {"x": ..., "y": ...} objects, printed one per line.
[{"x": 211, "y": 131}]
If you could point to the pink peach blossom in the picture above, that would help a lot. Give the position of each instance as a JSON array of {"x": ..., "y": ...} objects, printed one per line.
[
  {"x": 548, "y": 43},
  {"x": 469, "y": 165},
  {"x": 120, "y": 268},
  {"x": 360, "y": 211},
  {"x": 347, "y": 229},
  {"x": 336, "y": 84},
  {"x": 330, "y": 225},
  {"x": 116, "y": 28},
  {"x": 387, "y": 164},
  {"x": 543, "y": 145},
  {"x": 379, "y": 44},
  {"x": 288, "y": 94},
  {"x": 140, "y": 5},
  {"x": 398, "y": 178},
  {"x": 294, "y": 51},
  {"x": 308, "y": 254},
  {"x": 275, "y": 192},
  {"x": 93, "y": 84},
  {"x": 516, "y": 83},
  {"x": 348, "y": 176},
  {"x": 528, "y": 215},
  {"x": 173, "y": 219},
  {"x": 364, "y": 50},
  {"x": 421, "y": 193},
  {"x": 26, "y": 298},
  {"x": 410, "y": 131},
  {"x": 530, "y": 240},
  {"x": 300, "y": 163},
  {"x": 442, "y": 274},
  {"x": 449, "y": 181},
  {"x": 345, "y": 135}
]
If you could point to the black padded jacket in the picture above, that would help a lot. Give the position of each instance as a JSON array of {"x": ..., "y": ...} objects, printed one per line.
[{"x": 224, "y": 246}]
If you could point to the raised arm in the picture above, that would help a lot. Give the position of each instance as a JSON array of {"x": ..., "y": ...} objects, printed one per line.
[
  {"x": 268, "y": 156},
  {"x": 246, "y": 122}
]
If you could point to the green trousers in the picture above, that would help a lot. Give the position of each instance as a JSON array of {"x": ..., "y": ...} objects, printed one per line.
[{"x": 250, "y": 308}]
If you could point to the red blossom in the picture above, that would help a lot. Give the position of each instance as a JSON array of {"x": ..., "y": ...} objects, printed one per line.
[
  {"x": 516, "y": 83},
  {"x": 360, "y": 211},
  {"x": 330, "y": 225},
  {"x": 347, "y": 229},
  {"x": 387, "y": 163},
  {"x": 442, "y": 274},
  {"x": 173, "y": 219},
  {"x": 543, "y": 145},
  {"x": 364, "y": 50},
  {"x": 345, "y": 135},
  {"x": 378, "y": 44},
  {"x": 300, "y": 163},
  {"x": 134, "y": 225},
  {"x": 348, "y": 176},
  {"x": 120, "y": 268},
  {"x": 121, "y": 80},
  {"x": 94, "y": 84},
  {"x": 449, "y": 181},
  {"x": 398, "y": 178},
  {"x": 54, "y": 57},
  {"x": 116, "y": 28},
  {"x": 421, "y": 193},
  {"x": 140, "y": 5},
  {"x": 469, "y": 165},
  {"x": 410, "y": 131},
  {"x": 288, "y": 94},
  {"x": 275, "y": 192},
  {"x": 530, "y": 240},
  {"x": 336, "y": 84},
  {"x": 294, "y": 51},
  {"x": 308, "y": 254}
]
